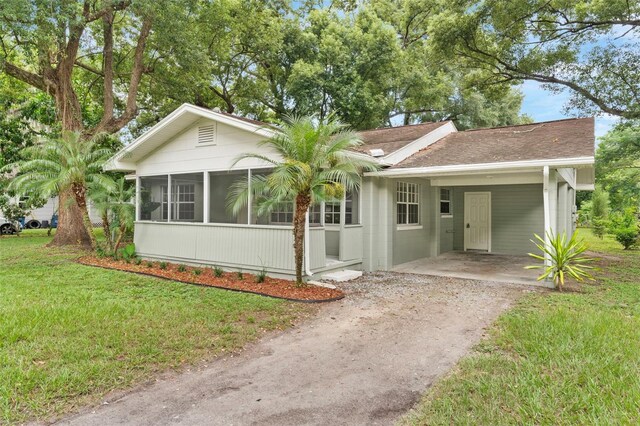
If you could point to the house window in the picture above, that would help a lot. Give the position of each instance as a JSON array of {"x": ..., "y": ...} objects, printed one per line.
[
  {"x": 282, "y": 213},
  {"x": 315, "y": 215},
  {"x": 445, "y": 202},
  {"x": 332, "y": 212},
  {"x": 407, "y": 202},
  {"x": 152, "y": 198},
  {"x": 351, "y": 209}
]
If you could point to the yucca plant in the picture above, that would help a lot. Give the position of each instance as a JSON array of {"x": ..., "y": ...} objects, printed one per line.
[{"x": 566, "y": 258}]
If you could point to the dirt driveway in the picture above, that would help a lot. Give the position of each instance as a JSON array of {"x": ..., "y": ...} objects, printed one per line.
[{"x": 364, "y": 360}]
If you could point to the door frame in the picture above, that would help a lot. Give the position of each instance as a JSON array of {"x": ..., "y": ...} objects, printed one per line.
[{"x": 464, "y": 226}]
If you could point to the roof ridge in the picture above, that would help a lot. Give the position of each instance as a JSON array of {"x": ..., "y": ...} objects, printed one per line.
[
  {"x": 527, "y": 124},
  {"x": 404, "y": 125}
]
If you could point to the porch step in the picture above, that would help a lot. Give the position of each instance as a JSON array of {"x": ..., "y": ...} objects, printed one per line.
[
  {"x": 342, "y": 276},
  {"x": 321, "y": 284}
]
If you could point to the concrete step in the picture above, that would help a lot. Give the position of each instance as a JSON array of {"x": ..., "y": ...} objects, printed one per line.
[
  {"x": 342, "y": 276},
  {"x": 321, "y": 284}
]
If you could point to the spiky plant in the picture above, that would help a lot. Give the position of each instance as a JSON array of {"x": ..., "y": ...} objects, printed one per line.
[{"x": 566, "y": 258}]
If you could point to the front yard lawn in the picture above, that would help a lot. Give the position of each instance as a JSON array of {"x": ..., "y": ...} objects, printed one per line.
[
  {"x": 70, "y": 333},
  {"x": 558, "y": 358}
]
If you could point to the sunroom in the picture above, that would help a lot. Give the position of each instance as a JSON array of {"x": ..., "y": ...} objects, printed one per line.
[{"x": 183, "y": 217}]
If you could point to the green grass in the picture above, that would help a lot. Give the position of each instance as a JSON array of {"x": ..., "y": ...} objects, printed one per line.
[
  {"x": 556, "y": 358},
  {"x": 71, "y": 333}
]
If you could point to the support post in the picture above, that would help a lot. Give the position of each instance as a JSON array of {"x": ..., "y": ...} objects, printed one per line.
[
  {"x": 205, "y": 198},
  {"x": 138, "y": 186},
  {"x": 547, "y": 211},
  {"x": 169, "y": 195},
  {"x": 307, "y": 245}
]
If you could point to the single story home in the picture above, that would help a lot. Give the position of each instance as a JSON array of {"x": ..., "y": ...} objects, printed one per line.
[{"x": 438, "y": 190}]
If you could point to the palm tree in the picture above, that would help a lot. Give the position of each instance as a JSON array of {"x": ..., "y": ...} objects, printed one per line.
[
  {"x": 315, "y": 163},
  {"x": 59, "y": 165},
  {"x": 113, "y": 202}
]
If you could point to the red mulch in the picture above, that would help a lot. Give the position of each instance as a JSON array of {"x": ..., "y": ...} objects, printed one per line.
[{"x": 273, "y": 287}]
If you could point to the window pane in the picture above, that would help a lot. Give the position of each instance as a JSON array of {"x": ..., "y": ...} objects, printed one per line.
[
  {"x": 445, "y": 207},
  {"x": 445, "y": 194},
  {"x": 187, "y": 197},
  {"x": 402, "y": 214},
  {"x": 153, "y": 198},
  {"x": 220, "y": 184},
  {"x": 413, "y": 214},
  {"x": 352, "y": 207}
]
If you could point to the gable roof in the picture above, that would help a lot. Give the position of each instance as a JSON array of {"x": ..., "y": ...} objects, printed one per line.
[
  {"x": 174, "y": 123},
  {"x": 570, "y": 138},
  {"x": 391, "y": 139}
]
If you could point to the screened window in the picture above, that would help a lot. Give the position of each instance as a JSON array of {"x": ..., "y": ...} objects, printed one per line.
[
  {"x": 445, "y": 202},
  {"x": 315, "y": 215},
  {"x": 220, "y": 185},
  {"x": 407, "y": 203},
  {"x": 187, "y": 192},
  {"x": 282, "y": 214},
  {"x": 152, "y": 202},
  {"x": 351, "y": 209}
]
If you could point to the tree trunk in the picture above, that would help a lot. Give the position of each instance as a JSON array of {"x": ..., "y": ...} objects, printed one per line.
[
  {"x": 81, "y": 200},
  {"x": 122, "y": 230},
  {"x": 302, "y": 205},
  {"x": 70, "y": 230},
  {"x": 106, "y": 226}
]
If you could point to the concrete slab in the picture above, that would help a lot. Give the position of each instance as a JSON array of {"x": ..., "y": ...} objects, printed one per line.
[
  {"x": 342, "y": 276},
  {"x": 477, "y": 266}
]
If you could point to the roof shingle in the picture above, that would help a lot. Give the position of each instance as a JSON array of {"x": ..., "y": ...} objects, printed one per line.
[
  {"x": 391, "y": 139},
  {"x": 538, "y": 141}
]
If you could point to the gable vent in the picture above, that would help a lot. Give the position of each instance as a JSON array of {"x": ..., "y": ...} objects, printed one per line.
[{"x": 207, "y": 134}]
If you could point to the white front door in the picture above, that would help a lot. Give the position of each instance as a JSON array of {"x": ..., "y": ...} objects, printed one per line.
[{"x": 477, "y": 221}]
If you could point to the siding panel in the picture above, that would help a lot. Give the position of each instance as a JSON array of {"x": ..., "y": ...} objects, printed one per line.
[
  {"x": 516, "y": 214},
  {"x": 247, "y": 247}
]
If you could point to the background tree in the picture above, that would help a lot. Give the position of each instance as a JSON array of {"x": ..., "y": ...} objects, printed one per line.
[
  {"x": 65, "y": 165},
  {"x": 90, "y": 57},
  {"x": 313, "y": 165},
  {"x": 618, "y": 164},
  {"x": 599, "y": 211},
  {"x": 588, "y": 47}
]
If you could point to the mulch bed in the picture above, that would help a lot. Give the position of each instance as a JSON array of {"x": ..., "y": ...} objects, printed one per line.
[{"x": 272, "y": 287}]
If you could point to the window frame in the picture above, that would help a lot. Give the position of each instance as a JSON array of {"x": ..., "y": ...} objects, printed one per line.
[
  {"x": 448, "y": 201},
  {"x": 407, "y": 194}
]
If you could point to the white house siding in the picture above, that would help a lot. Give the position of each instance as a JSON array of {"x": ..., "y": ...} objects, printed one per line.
[
  {"x": 250, "y": 248},
  {"x": 516, "y": 214},
  {"x": 182, "y": 153}
]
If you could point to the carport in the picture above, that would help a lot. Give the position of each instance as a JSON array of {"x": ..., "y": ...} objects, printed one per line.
[{"x": 476, "y": 265}]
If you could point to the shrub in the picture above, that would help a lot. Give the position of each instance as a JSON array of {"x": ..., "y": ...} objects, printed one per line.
[
  {"x": 182, "y": 268},
  {"x": 240, "y": 275},
  {"x": 625, "y": 228},
  {"x": 565, "y": 256},
  {"x": 163, "y": 265},
  {"x": 217, "y": 271},
  {"x": 261, "y": 276},
  {"x": 138, "y": 261},
  {"x": 599, "y": 211},
  {"x": 149, "y": 264},
  {"x": 128, "y": 252},
  {"x": 197, "y": 271}
]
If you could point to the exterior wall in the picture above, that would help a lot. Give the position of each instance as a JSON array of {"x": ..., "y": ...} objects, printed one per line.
[
  {"x": 410, "y": 243},
  {"x": 332, "y": 239},
  {"x": 182, "y": 153},
  {"x": 446, "y": 234},
  {"x": 351, "y": 242},
  {"x": 378, "y": 223},
  {"x": 516, "y": 214},
  {"x": 232, "y": 246}
]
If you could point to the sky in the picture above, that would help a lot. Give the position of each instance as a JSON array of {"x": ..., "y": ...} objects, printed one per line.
[{"x": 542, "y": 105}]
